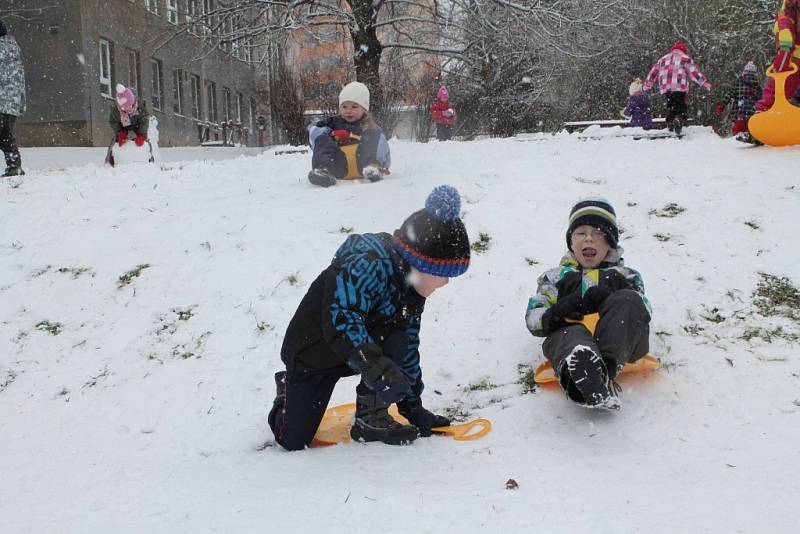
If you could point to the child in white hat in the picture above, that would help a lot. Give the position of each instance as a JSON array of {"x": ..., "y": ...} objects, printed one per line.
[{"x": 353, "y": 126}]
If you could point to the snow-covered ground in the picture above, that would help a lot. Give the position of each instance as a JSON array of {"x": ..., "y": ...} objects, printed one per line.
[{"x": 137, "y": 403}]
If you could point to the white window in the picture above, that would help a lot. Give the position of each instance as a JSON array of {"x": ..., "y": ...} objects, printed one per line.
[
  {"x": 105, "y": 69},
  {"x": 151, "y": 6},
  {"x": 252, "y": 103},
  {"x": 172, "y": 11},
  {"x": 177, "y": 91},
  {"x": 157, "y": 84},
  {"x": 195, "y": 96},
  {"x": 238, "y": 109},
  {"x": 211, "y": 101},
  {"x": 134, "y": 70}
]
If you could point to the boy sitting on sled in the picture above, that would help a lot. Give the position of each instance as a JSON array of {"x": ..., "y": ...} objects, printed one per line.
[
  {"x": 362, "y": 316},
  {"x": 591, "y": 278}
]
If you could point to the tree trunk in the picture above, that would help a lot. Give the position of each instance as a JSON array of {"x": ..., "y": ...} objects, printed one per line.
[{"x": 367, "y": 51}]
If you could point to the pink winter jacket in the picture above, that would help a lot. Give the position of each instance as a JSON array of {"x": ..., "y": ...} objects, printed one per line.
[{"x": 673, "y": 71}]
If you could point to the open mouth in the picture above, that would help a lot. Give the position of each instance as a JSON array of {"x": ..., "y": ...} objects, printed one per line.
[{"x": 589, "y": 253}]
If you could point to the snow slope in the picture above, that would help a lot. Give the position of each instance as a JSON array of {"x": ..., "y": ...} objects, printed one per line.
[{"x": 145, "y": 411}]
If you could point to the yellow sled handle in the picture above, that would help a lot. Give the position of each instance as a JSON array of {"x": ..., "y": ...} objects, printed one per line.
[{"x": 464, "y": 432}]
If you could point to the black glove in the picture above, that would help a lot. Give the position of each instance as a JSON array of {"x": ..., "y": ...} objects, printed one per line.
[
  {"x": 594, "y": 298},
  {"x": 569, "y": 306},
  {"x": 420, "y": 417},
  {"x": 379, "y": 373}
]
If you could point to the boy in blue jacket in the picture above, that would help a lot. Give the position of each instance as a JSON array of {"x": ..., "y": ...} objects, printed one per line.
[
  {"x": 362, "y": 316},
  {"x": 353, "y": 125}
]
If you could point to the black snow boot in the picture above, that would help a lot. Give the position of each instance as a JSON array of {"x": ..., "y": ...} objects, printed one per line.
[
  {"x": 14, "y": 171},
  {"x": 322, "y": 177},
  {"x": 373, "y": 422},
  {"x": 280, "y": 397},
  {"x": 677, "y": 125},
  {"x": 585, "y": 380}
]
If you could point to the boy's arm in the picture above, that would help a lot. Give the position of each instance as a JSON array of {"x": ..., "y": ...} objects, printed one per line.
[
  {"x": 634, "y": 281},
  {"x": 546, "y": 295},
  {"x": 652, "y": 76},
  {"x": 383, "y": 154},
  {"x": 697, "y": 76},
  {"x": 316, "y": 129}
]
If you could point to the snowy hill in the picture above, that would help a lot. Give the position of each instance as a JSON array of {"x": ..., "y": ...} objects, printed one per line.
[{"x": 143, "y": 311}]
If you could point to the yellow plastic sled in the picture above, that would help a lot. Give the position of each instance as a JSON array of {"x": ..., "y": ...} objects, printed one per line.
[
  {"x": 336, "y": 423},
  {"x": 780, "y": 124},
  {"x": 545, "y": 374}
]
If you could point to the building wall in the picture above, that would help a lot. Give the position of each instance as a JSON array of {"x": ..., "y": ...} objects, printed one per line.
[
  {"x": 79, "y": 106},
  {"x": 51, "y": 45}
]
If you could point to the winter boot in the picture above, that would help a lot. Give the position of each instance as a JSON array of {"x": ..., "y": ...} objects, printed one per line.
[
  {"x": 322, "y": 177},
  {"x": 280, "y": 397},
  {"x": 372, "y": 173},
  {"x": 745, "y": 137},
  {"x": 585, "y": 380},
  {"x": 373, "y": 422},
  {"x": 14, "y": 171},
  {"x": 677, "y": 125}
]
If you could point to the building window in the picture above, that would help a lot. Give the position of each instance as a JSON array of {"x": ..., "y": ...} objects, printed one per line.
[
  {"x": 157, "y": 83},
  {"x": 172, "y": 11},
  {"x": 151, "y": 6},
  {"x": 211, "y": 101},
  {"x": 134, "y": 71},
  {"x": 196, "y": 105},
  {"x": 226, "y": 104},
  {"x": 177, "y": 91},
  {"x": 106, "y": 55},
  {"x": 252, "y": 103},
  {"x": 238, "y": 109}
]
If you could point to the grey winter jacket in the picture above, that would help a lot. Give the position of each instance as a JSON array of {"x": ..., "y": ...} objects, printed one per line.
[{"x": 12, "y": 78}]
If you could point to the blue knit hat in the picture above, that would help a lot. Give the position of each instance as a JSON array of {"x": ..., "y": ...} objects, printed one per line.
[{"x": 434, "y": 240}]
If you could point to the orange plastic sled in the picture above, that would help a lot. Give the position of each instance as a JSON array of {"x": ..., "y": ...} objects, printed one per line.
[
  {"x": 780, "y": 124},
  {"x": 336, "y": 423},
  {"x": 545, "y": 374}
]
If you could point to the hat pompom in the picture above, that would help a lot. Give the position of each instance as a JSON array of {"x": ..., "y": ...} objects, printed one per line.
[
  {"x": 120, "y": 88},
  {"x": 444, "y": 202}
]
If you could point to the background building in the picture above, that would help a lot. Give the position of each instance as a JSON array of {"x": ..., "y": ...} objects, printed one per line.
[{"x": 76, "y": 51}]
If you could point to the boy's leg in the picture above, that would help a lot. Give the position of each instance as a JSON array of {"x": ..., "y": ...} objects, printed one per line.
[
  {"x": 580, "y": 370},
  {"x": 8, "y": 143},
  {"x": 670, "y": 109},
  {"x": 327, "y": 154},
  {"x": 623, "y": 331},
  {"x": 367, "y": 151},
  {"x": 300, "y": 402}
]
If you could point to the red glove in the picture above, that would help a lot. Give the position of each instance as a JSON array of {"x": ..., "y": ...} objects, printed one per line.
[
  {"x": 122, "y": 136},
  {"x": 720, "y": 109},
  {"x": 340, "y": 136},
  {"x": 139, "y": 139}
]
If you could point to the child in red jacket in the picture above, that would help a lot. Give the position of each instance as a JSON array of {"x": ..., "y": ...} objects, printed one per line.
[{"x": 443, "y": 115}]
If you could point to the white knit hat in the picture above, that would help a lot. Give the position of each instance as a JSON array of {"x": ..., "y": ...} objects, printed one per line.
[
  {"x": 636, "y": 87},
  {"x": 355, "y": 92}
]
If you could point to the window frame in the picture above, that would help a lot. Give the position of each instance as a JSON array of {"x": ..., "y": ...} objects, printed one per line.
[
  {"x": 171, "y": 11},
  {"x": 212, "y": 105},
  {"x": 157, "y": 84},
  {"x": 106, "y": 70},
  {"x": 197, "y": 97},
  {"x": 177, "y": 92}
]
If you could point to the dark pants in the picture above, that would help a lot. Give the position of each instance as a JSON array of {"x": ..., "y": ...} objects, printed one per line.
[
  {"x": 676, "y": 106},
  {"x": 8, "y": 144},
  {"x": 444, "y": 132},
  {"x": 328, "y": 154},
  {"x": 302, "y": 396},
  {"x": 622, "y": 334}
]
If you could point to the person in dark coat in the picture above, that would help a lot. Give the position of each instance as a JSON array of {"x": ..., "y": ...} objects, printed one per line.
[
  {"x": 744, "y": 94},
  {"x": 12, "y": 99},
  {"x": 129, "y": 117},
  {"x": 362, "y": 315},
  {"x": 591, "y": 278},
  {"x": 639, "y": 109}
]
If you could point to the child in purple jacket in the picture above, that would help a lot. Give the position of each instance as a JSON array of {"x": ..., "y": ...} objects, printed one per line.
[{"x": 638, "y": 108}]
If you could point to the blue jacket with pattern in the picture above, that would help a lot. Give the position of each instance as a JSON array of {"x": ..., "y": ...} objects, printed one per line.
[{"x": 361, "y": 298}]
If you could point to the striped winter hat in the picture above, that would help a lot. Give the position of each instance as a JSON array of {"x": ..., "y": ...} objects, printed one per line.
[
  {"x": 434, "y": 240},
  {"x": 597, "y": 212}
]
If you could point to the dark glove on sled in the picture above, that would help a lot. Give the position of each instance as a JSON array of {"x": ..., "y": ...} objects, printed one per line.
[
  {"x": 420, "y": 417},
  {"x": 379, "y": 373},
  {"x": 568, "y": 307},
  {"x": 594, "y": 298}
]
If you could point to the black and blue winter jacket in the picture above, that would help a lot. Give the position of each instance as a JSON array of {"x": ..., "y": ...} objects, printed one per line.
[{"x": 361, "y": 297}]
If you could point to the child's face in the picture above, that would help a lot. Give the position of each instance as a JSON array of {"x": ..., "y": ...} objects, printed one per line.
[
  {"x": 351, "y": 112},
  {"x": 426, "y": 284},
  {"x": 589, "y": 245}
]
